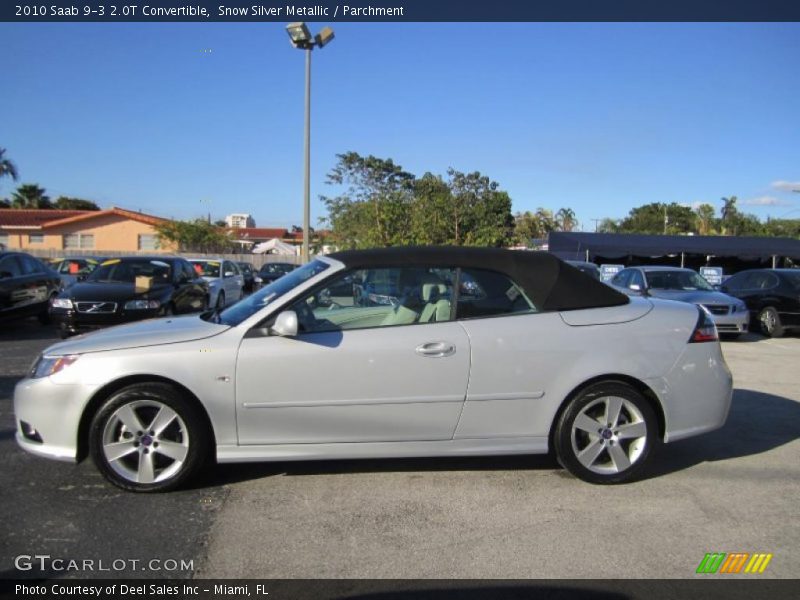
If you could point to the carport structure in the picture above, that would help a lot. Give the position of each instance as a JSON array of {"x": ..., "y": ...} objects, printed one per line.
[{"x": 732, "y": 253}]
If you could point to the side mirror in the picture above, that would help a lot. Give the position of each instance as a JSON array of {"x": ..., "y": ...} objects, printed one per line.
[
  {"x": 228, "y": 274},
  {"x": 635, "y": 287},
  {"x": 285, "y": 324}
]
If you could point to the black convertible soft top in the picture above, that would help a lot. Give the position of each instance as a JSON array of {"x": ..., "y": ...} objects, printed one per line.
[{"x": 549, "y": 282}]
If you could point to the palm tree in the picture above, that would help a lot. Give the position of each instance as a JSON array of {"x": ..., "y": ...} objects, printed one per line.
[
  {"x": 730, "y": 215},
  {"x": 7, "y": 168},
  {"x": 705, "y": 219},
  {"x": 565, "y": 219},
  {"x": 30, "y": 195}
]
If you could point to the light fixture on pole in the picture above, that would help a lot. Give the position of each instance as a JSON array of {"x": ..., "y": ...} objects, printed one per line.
[{"x": 301, "y": 39}]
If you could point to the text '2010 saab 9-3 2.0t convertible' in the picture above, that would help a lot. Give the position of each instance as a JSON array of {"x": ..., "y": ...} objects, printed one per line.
[{"x": 536, "y": 357}]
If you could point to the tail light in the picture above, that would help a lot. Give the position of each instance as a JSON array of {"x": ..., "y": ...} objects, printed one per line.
[{"x": 705, "y": 330}]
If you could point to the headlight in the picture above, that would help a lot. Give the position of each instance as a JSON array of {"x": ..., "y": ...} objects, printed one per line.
[
  {"x": 50, "y": 365},
  {"x": 141, "y": 304},
  {"x": 62, "y": 303}
]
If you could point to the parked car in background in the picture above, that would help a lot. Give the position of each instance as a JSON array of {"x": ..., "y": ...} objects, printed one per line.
[
  {"x": 543, "y": 358},
  {"x": 26, "y": 286},
  {"x": 129, "y": 289},
  {"x": 225, "y": 280},
  {"x": 251, "y": 279},
  {"x": 269, "y": 272},
  {"x": 772, "y": 297},
  {"x": 75, "y": 269},
  {"x": 673, "y": 283},
  {"x": 590, "y": 269}
]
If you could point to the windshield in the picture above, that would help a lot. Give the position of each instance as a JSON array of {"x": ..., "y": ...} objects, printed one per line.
[
  {"x": 270, "y": 293},
  {"x": 272, "y": 268},
  {"x": 206, "y": 268},
  {"x": 126, "y": 271},
  {"x": 684, "y": 281}
]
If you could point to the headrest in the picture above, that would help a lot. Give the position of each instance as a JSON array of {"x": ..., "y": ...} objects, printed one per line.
[{"x": 431, "y": 291}]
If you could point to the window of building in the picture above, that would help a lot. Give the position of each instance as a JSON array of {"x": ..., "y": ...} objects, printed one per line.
[
  {"x": 148, "y": 241},
  {"x": 78, "y": 241},
  {"x": 36, "y": 238}
]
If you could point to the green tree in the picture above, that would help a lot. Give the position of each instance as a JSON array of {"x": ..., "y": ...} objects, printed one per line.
[
  {"x": 729, "y": 216},
  {"x": 705, "y": 219},
  {"x": 565, "y": 219},
  {"x": 30, "y": 195},
  {"x": 782, "y": 228},
  {"x": 649, "y": 218},
  {"x": 430, "y": 212},
  {"x": 195, "y": 236},
  {"x": 7, "y": 168},
  {"x": 608, "y": 226},
  {"x": 481, "y": 213},
  {"x": 66, "y": 203},
  {"x": 374, "y": 209}
]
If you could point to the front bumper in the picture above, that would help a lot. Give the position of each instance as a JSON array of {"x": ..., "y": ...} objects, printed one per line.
[
  {"x": 72, "y": 322},
  {"x": 737, "y": 322},
  {"x": 54, "y": 412}
]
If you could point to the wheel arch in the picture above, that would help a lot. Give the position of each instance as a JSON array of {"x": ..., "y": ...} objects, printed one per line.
[
  {"x": 101, "y": 395},
  {"x": 637, "y": 384}
]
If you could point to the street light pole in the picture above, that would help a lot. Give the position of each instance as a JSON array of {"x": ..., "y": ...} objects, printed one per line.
[
  {"x": 301, "y": 39},
  {"x": 307, "y": 173}
]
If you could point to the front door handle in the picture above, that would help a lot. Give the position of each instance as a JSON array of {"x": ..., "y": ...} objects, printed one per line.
[{"x": 436, "y": 349}]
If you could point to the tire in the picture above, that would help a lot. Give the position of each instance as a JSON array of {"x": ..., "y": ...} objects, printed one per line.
[
  {"x": 604, "y": 455},
  {"x": 220, "y": 300},
  {"x": 770, "y": 322},
  {"x": 163, "y": 419}
]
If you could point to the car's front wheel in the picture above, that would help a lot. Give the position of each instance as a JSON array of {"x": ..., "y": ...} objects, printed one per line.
[
  {"x": 606, "y": 434},
  {"x": 148, "y": 437},
  {"x": 770, "y": 322},
  {"x": 220, "y": 300}
]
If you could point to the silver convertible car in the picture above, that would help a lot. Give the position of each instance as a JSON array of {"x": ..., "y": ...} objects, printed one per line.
[{"x": 534, "y": 356}]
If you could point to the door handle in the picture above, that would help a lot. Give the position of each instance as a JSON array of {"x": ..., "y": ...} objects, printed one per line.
[{"x": 436, "y": 349}]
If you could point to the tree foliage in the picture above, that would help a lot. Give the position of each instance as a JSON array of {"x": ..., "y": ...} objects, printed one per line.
[
  {"x": 195, "y": 236},
  {"x": 384, "y": 205},
  {"x": 66, "y": 203},
  {"x": 30, "y": 195},
  {"x": 7, "y": 168}
]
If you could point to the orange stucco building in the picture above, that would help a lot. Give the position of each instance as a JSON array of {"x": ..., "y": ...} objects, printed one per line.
[{"x": 111, "y": 230}]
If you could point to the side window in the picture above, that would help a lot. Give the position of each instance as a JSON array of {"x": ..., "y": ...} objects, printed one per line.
[
  {"x": 636, "y": 278},
  {"x": 30, "y": 265},
  {"x": 378, "y": 297},
  {"x": 734, "y": 283},
  {"x": 770, "y": 281},
  {"x": 9, "y": 267},
  {"x": 622, "y": 278},
  {"x": 488, "y": 294}
]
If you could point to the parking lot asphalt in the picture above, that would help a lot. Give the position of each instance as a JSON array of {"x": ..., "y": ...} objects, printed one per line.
[{"x": 733, "y": 490}]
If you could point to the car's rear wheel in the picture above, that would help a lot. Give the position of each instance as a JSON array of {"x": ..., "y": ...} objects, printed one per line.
[
  {"x": 148, "y": 438},
  {"x": 606, "y": 434},
  {"x": 770, "y": 322}
]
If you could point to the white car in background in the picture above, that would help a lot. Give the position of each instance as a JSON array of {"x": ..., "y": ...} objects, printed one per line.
[
  {"x": 536, "y": 357},
  {"x": 225, "y": 280}
]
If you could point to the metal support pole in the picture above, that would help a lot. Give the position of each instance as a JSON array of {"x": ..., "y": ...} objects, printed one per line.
[
  {"x": 774, "y": 262},
  {"x": 307, "y": 176},
  {"x": 682, "y": 257}
]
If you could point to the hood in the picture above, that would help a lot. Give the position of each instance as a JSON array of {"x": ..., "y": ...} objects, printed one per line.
[
  {"x": 152, "y": 332},
  {"x": 113, "y": 291},
  {"x": 694, "y": 296}
]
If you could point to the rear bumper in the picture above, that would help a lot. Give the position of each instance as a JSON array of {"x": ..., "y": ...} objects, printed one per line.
[{"x": 696, "y": 393}]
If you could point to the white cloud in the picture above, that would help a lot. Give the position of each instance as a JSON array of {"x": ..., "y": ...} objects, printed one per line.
[
  {"x": 786, "y": 186},
  {"x": 766, "y": 201}
]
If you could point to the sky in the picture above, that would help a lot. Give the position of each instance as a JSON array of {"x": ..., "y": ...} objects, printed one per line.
[{"x": 182, "y": 120}]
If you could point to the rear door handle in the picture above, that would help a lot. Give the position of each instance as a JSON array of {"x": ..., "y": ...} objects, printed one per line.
[{"x": 436, "y": 349}]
